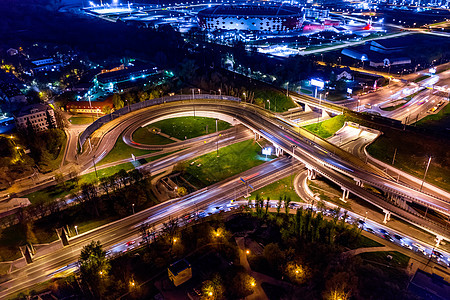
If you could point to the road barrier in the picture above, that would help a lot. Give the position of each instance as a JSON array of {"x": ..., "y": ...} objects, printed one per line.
[{"x": 136, "y": 106}]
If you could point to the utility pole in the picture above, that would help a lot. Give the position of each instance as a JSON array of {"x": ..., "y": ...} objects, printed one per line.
[
  {"x": 217, "y": 139},
  {"x": 95, "y": 168},
  {"x": 393, "y": 159},
  {"x": 425, "y": 175}
]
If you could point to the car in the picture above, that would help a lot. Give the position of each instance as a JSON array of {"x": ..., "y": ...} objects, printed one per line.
[
  {"x": 383, "y": 231},
  {"x": 436, "y": 254},
  {"x": 361, "y": 222},
  {"x": 388, "y": 237},
  {"x": 408, "y": 246},
  {"x": 130, "y": 243},
  {"x": 397, "y": 237},
  {"x": 370, "y": 230}
]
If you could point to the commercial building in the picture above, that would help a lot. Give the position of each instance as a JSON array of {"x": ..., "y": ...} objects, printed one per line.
[
  {"x": 380, "y": 53},
  {"x": 268, "y": 18},
  {"x": 40, "y": 116},
  {"x": 109, "y": 80},
  {"x": 180, "y": 272}
]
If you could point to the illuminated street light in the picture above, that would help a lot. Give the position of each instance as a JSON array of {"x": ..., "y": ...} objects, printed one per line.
[{"x": 248, "y": 252}]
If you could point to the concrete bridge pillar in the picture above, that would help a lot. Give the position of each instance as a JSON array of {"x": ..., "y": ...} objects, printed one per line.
[
  {"x": 387, "y": 216},
  {"x": 345, "y": 194},
  {"x": 257, "y": 136},
  {"x": 438, "y": 240},
  {"x": 325, "y": 114},
  {"x": 278, "y": 151},
  {"x": 308, "y": 108},
  {"x": 312, "y": 174},
  {"x": 359, "y": 182}
]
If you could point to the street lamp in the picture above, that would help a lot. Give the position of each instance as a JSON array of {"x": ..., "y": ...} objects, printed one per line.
[
  {"x": 426, "y": 171},
  {"x": 76, "y": 229},
  {"x": 132, "y": 205},
  {"x": 268, "y": 101}
]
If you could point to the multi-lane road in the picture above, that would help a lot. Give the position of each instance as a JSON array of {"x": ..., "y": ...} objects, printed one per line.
[
  {"x": 128, "y": 228},
  {"x": 325, "y": 158}
]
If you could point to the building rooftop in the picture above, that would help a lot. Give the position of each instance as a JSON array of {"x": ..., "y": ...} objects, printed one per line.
[
  {"x": 249, "y": 10},
  {"x": 27, "y": 109},
  {"x": 179, "y": 266},
  {"x": 119, "y": 75},
  {"x": 429, "y": 286}
]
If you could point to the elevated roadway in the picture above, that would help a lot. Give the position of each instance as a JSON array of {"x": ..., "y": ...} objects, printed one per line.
[{"x": 321, "y": 156}]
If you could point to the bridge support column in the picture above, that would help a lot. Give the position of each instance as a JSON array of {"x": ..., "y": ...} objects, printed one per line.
[
  {"x": 325, "y": 114},
  {"x": 345, "y": 194},
  {"x": 359, "y": 183},
  {"x": 387, "y": 216},
  {"x": 312, "y": 174},
  {"x": 278, "y": 151},
  {"x": 438, "y": 240},
  {"x": 257, "y": 136},
  {"x": 308, "y": 108}
]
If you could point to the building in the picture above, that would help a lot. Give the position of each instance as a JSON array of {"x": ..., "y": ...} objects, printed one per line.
[
  {"x": 387, "y": 46},
  {"x": 10, "y": 93},
  {"x": 108, "y": 81},
  {"x": 90, "y": 107},
  {"x": 45, "y": 65},
  {"x": 39, "y": 115},
  {"x": 180, "y": 272},
  {"x": 268, "y": 18},
  {"x": 9, "y": 89},
  {"x": 429, "y": 286},
  {"x": 316, "y": 14}
]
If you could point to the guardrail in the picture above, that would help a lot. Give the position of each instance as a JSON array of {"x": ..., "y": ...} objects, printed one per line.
[{"x": 136, "y": 106}]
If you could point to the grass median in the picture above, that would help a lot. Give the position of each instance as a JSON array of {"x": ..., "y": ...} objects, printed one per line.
[
  {"x": 122, "y": 151},
  {"x": 326, "y": 128},
  {"x": 278, "y": 190},
  {"x": 187, "y": 127},
  {"x": 233, "y": 159}
]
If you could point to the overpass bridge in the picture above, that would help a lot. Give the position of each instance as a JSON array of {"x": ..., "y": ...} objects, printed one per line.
[{"x": 321, "y": 157}]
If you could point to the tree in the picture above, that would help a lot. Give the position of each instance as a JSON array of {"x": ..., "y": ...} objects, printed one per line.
[
  {"x": 117, "y": 101},
  {"x": 50, "y": 120},
  {"x": 287, "y": 201},
  {"x": 93, "y": 266},
  {"x": 106, "y": 109},
  {"x": 213, "y": 289},
  {"x": 279, "y": 206}
]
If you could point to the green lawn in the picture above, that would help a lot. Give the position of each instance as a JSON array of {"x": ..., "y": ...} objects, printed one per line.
[
  {"x": 441, "y": 120},
  {"x": 232, "y": 160},
  {"x": 365, "y": 242},
  {"x": 394, "y": 107},
  {"x": 189, "y": 127},
  {"x": 398, "y": 259},
  {"x": 55, "y": 163},
  {"x": 82, "y": 120},
  {"x": 279, "y": 102},
  {"x": 144, "y": 136},
  {"x": 412, "y": 155},
  {"x": 278, "y": 190},
  {"x": 326, "y": 128},
  {"x": 122, "y": 151},
  {"x": 421, "y": 78},
  {"x": 92, "y": 177}
]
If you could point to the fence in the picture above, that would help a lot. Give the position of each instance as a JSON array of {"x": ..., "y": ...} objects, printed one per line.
[{"x": 136, "y": 106}]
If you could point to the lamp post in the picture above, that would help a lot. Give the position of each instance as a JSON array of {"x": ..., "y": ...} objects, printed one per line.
[
  {"x": 132, "y": 206},
  {"x": 76, "y": 229},
  {"x": 425, "y": 175},
  {"x": 268, "y": 101}
]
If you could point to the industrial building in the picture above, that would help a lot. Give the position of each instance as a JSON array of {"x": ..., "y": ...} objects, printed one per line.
[{"x": 269, "y": 18}]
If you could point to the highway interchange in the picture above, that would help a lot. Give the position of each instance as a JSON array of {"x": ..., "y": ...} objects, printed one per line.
[{"x": 324, "y": 157}]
